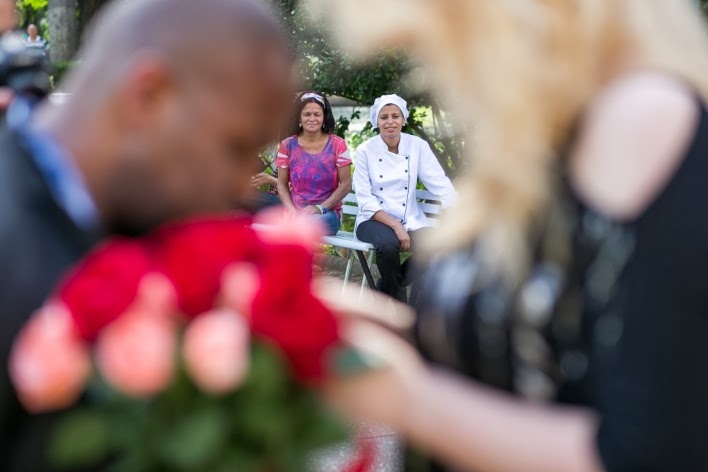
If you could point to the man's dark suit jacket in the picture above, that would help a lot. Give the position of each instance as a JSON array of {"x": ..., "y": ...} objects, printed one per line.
[{"x": 38, "y": 242}]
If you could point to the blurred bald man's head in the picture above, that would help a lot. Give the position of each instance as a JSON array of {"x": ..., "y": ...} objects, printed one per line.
[{"x": 171, "y": 104}]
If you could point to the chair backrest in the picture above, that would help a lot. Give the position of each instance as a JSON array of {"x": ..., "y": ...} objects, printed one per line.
[
  {"x": 350, "y": 205},
  {"x": 429, "y": 203}
]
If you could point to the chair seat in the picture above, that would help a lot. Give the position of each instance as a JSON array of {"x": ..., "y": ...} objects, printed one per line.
[
  {"x": 347, "y": 240},
  {"x": 361, "y": 250}
]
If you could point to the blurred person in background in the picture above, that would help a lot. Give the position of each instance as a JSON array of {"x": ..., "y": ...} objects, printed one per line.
[
  {"x": 568, "y": 290},
  {"x": 267, "y": 180},
  {"x": 268, "y": 197},
  {"x": 388, "y": 167},
  {"x": 34, "y": 40},
  {"x": 153, "y": 130},
  {"x": 314, "y": 168},
  {"x": 8, "y": 22}
]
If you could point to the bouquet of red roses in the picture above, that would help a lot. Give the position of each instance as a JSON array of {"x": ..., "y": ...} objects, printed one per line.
[{"x": 198, "y": 347}]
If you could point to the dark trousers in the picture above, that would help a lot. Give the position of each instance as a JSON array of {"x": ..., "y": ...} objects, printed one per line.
[{"x": 394, "y": 275}]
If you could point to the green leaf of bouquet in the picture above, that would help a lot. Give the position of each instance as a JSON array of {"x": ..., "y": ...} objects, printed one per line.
[
  {"x": 79, "y": 439},
  {"x": 195, "y": 439},
  {"x": 100, "y": 392},
  {"x": 239, "y": 460},
  {"x": 290, "y": 459},
  {"x": 264, "y": 423},
  {"x": 268, "y": 377},
  {"x": 129, "y": 461},
  {"x": 325, "y": 431}
]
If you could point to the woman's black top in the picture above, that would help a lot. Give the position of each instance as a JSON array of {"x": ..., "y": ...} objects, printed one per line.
[{"x": 613, "y": 316}]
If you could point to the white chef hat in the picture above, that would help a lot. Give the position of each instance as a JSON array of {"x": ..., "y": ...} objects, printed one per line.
[{"x": 384, "y": 100}]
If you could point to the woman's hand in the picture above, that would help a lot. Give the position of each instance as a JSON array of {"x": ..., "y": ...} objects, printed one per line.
[
  {"x": 382, "y": 394},
  {"x": 261, "y": 179},
  {"x": 403, "y": 237},
  {"x": 463, "y": 424},
  {"x": 310, "y": 210}
]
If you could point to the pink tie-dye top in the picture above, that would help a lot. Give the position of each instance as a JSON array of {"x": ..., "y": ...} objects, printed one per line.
[{"x": 313, "y": 177}]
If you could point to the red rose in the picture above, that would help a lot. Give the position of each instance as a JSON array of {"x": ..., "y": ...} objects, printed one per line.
[
  {"x": 286, "y": 312},
  {"x": 104, "y": 284},
  {"x": 194, "y": 257},
  {"x": 195, "y": 254},
  {"x": 270, "y": 281}
]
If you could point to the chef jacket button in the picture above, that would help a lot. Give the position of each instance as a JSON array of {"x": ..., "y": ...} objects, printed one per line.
[
  {"x": 406, "y": 157},
  {"x": 381, "y": 202},
  {"x": 380, "y": 176},
  {"x": 381, "y": 188},
  {"x": 406, "y": 171},
  {"x": 380, "y": 160},
  {"x": 404, "y": 204},
  {"x": 406, "y": 188}
]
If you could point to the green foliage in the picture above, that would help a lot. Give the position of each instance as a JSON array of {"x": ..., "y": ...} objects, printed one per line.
[
  {"x": 33, "y": 12},
  {"x": 81, "y": 439},
  {"x": 34, "y": 4},
  {"x": 270, "y": 423},
  {"x": 59, "y": 71},
  {"x": 355, "y": 138},
  {"x": 703, "y": 7},
  {"x": 344, "y": 122},
  {"x": 329, "y": 70}
]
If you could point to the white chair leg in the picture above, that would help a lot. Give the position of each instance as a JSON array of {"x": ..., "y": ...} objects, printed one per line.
[{"x": 348, "y": 270}]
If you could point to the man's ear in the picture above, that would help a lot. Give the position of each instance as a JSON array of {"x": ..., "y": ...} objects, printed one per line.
[{"x": 147, "y": 86}]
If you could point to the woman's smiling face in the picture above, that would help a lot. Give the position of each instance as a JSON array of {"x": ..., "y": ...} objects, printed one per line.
[
  {"x": 312, "y": 118},
  {"x": 390, "y": 121}
]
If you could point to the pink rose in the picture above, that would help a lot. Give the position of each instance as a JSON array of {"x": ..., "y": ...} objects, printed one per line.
[
  {"x": 136, "y": 352},
  {"x": 216, "y": 350},
  {"x": 239, "y": 285},
  {"x": 49, "y": 364}
]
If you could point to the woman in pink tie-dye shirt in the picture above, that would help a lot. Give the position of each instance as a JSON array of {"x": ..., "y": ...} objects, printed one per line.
[{"x": 314, "y": 168}]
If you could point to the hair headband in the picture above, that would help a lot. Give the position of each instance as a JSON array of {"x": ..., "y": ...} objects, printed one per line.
[{"x": 317, "y": 97}]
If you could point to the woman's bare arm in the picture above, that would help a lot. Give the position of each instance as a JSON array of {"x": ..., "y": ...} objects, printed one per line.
[
  {"x": 284, "y": 188},
  {"x": 345, "y": 186},
  {"x": 458, "y": 421}
]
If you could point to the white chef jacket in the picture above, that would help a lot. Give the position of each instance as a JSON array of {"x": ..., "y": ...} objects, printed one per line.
[{"x": 387, "y": 181}]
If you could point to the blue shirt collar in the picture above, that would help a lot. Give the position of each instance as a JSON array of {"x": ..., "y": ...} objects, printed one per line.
[{"x": 61, "y": 175}]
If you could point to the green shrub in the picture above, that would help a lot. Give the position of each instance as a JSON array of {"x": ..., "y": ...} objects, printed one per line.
[{"x": 59, "y": 70}]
